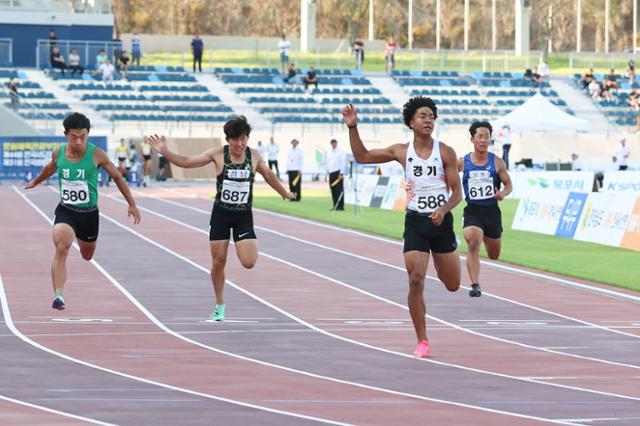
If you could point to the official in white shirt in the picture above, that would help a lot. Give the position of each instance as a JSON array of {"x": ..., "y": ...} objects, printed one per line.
[
  {"x": 295, "y": 159},
  {"x": 273, "y": 149},
  {"x": 622, "y": 154},
  {"x": 262, "y": 149},
  {"x": 336, "y": 164}
]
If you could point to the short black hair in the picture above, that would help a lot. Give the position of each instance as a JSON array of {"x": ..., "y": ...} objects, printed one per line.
[
  {"x": 409, "y": 109},
  {"x": 478, "y": 124},
  {"x": 237, "y": 126},
  {"x": 75, "y": 120},
  {"x": 333, "y": 140}
]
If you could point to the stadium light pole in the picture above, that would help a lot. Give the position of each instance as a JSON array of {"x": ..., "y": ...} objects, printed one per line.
[
  {"x": 579, "y": 26},
  {"x": 494, "y": 29},
  {"x": 607, "y": 5},
  {"x": 466, "y": 25},
  {"x": 371, "y": 29},
  {"x": 438, "y": 13},
  {"x": 410, "y": 29}
]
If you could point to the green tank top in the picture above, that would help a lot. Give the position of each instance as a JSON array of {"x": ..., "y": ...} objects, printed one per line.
[
  {"x": 235, "y": 184},
  {"x": 78, "y": 181}
]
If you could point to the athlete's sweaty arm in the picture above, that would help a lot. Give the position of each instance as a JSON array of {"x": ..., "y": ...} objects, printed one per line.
[
  {"x": 362, "y": 154},
  {"x": 450, "y": 163},
  {"x": 47, "y": 171},
  {"x": 159, "y": 144}
]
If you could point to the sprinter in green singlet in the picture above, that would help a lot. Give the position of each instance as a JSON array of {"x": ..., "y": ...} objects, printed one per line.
[
  {"x": 76, "y": 217},
  {"x": 236, "y": 165}
]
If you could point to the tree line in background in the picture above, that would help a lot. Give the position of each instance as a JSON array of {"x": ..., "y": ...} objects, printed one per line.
[{"x": 349, "y": 19}]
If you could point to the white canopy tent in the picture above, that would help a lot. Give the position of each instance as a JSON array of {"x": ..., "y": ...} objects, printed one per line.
[{"x": 539, "y": 115}]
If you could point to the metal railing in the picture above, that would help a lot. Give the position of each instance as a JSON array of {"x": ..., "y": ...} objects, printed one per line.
[
  {"x": 6, "y": 52},
  {"x": 579, "y": 62},
  {"x": 87, "y": 50}
]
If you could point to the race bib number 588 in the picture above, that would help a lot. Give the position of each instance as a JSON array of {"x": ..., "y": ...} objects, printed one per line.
[{"x": 74, "y": 192}]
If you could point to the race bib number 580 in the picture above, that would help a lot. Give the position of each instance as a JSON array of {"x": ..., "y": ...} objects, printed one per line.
[{"x": 74, "y": 192}]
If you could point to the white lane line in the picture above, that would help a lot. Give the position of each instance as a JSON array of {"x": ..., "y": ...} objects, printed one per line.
[
  {"x": 402, "y": 306},
  {"x": 315, "y": 328},
  {"x": 52, "y": 411},
  {"x": 15, "y": 331}
]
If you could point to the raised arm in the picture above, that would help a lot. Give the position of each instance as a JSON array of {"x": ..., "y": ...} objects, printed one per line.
[
  {"x": 47, "y": 171},
  {"x": 270, "y": 177},
  {"x": 159, "y": 144},
  {"x": 504, "y": 178},
  {"x": 360, "y": 153},
  {"x": 102, "y": 160}
]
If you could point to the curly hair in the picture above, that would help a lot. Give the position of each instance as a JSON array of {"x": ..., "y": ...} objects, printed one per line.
[
  {"x": 237, "y": 126},
  {"x": 409, "y": 109},
  {"x": 478, "y": 124}
]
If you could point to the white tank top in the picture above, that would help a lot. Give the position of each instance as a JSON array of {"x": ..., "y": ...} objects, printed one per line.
[{"x": 426, "y": 187}]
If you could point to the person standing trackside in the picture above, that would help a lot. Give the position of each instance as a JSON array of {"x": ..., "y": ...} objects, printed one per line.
[
  {"x": 197, "y": 48},
  {"x": 295, "y": 159},
  {"x": 483, "y": 173},
  {"x": 273, "y": 149},
  {"x": 336, "y": 163},
  {"x": 622, "y": 154},
  {"x": 433, "y": 189},
  {"x": 506, "y": 144}
]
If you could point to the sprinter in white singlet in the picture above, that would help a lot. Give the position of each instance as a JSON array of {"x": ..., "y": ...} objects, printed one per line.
[{"x": 433, "y": 189}]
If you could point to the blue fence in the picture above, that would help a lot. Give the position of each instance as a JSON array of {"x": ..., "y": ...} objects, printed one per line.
[{"x": 22, "y": 155}]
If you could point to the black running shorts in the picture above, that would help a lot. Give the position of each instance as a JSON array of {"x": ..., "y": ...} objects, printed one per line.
[
  {"x": 487, "y": 218},
  {"x": 421, "y": 234},
  {"x": 224, "y": 220},
  {"x": 84, "y": 222}
]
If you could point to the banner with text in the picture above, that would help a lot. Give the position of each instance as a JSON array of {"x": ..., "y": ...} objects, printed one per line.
[
  {"x": 525, "y": 182},
  {"x": 623, "y": 181}
]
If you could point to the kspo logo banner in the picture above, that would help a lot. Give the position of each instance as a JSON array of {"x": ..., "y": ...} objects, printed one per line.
[{"x": 623, "y": 181}]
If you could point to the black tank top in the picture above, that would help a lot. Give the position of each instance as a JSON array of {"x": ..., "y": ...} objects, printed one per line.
[{"x": 235, "y": 184}]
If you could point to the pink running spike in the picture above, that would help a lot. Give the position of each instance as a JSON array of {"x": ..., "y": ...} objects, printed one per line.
[{"x": 422, "y": 350}]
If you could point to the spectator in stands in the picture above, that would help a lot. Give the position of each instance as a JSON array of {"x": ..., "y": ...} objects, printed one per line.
[
  {"x": 136, "y": 50},
  {"x": 291, "y": 75},
  {"x": 610, "y": 82},
  {"x": 390, "y": 54},
  {"x": 107, "y": 70},
  {"x": 543, "y": 70},
  {"x": 532, "y": 76},
  {"x": 310, "y": 78},
  {"x": 13, "y": 94},
  {"x": 634, "y": 100},
  {"x": 197, "y": 48},
  {"x": 622, "y": 153},
  {"x": 587, "y": 78},
  {"x": 295, "y": 159},
  {"x": 358, "y": 50},
  {"x": 576, "y": 164},
  {"x": 594, "y": 90},
  {"x": 57, "y": 60},
  {"x": 74, "y": 62},
  {"x": 101, "y": 57},
  {"x": 284, "y": 45},
  {"x": 273, "y": 149},
  {"x": 605, "y": 91},
  {"x": 631, "y": 71},
  {"x": 124, "y": 63},
  {"x": 117, "y": 50},
  {"x": 53, "y": 40}
]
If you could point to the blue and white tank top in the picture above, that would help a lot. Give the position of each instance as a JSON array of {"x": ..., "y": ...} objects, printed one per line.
[{"x": 480, "y": 182}]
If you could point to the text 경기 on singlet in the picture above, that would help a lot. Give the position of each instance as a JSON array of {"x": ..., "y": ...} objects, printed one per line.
[{"x": 426, "y": 187}]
